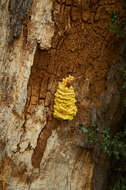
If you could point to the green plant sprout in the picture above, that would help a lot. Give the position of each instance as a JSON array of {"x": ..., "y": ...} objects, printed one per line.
[
  {"x": 116, "y": 25},
  {"x": 115, "y": 145}
]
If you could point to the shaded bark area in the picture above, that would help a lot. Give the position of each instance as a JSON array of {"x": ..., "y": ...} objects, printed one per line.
[{"x": 18, "y": 12}]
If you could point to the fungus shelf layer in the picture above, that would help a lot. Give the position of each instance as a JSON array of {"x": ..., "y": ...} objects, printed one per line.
[{"x": 64, "y": 102}]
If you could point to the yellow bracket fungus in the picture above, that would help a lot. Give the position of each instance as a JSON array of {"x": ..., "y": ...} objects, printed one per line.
[{"x": 64, "y": 102}]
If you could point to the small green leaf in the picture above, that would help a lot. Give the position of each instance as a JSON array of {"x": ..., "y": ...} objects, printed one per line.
[{"x": 82, "y": 128}]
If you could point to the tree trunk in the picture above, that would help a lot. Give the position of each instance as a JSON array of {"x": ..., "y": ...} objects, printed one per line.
[{"x": 42, "y": 42}]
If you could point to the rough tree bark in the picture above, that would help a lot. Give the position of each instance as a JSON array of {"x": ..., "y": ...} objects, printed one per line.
[{"x": 41, "y": 42}]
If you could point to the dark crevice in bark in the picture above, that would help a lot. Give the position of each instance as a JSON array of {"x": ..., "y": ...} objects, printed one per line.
[{"x": 37, "y": 90}]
